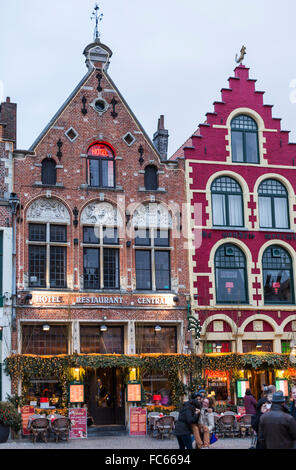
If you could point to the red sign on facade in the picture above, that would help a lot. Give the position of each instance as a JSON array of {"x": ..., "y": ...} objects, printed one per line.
[
  {"x": 138, "y": 421},
  {"x": 26, "y": 412},
  {"x": 78, "y": 417}
]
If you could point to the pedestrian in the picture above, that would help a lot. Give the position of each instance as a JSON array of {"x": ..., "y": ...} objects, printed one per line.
[
  {"x": 205, "y": 427},
  {"x": 250, "y": 403},
  {"x": 293, "y": 403},
  {"x": 263, "y": 405},
  {"x": 277, "y": 428},
  {"x": 188, "y": 415}
]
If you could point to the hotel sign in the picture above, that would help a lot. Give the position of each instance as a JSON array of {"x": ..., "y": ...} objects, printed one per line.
[{"x": 92, "y": 300}]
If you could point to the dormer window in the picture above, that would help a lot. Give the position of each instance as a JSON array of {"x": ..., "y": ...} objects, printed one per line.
[
  {"x": 244, "y": 140},
  {"x": 100, "y": 166}
]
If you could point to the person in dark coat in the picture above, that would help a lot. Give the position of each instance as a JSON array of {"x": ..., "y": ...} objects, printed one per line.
[
  {"x": 293, "y": 403},
  {"x": 277, "y": 428},
  {"x": 250, "y": 403},
  {"x": 188, "y": 415}
]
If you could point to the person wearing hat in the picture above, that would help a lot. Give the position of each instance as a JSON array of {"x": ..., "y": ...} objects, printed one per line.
[{"x": 277, "y": 428}]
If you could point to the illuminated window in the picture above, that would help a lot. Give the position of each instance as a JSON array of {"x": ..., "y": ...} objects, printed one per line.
[
  {"x": 244, "y": 140},
  {"x": 277, "y": 276},
  {"x": 100, "y": 166},
  {"x": 230, "y": 271}
]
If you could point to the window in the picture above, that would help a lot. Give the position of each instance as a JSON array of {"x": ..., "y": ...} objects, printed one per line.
[
  {"x": 155, "y": 384},
  {"x": 273, "y": 205},
  {"x": 286, "y": 346},
  {"x": 100, "y": 166},
  {"x": 258, "y": 345},
  {"x": 150, "y": 341},
  {"x": 39, "y": 342},
  {"x": 152, "y": 260},
  {"x": 92, "y": 340},
  {"x": 230, "y": 273},
  {"x": 48, "y": 172},
  {"x": 244, "y": 140},
  {"x": 100, "y": 258},
  {"x": 47, "y": 255},
  {"x": 151, "y": 178},
  {"x": 227, "y": 203},
  {"x": 277, "y": 276}
]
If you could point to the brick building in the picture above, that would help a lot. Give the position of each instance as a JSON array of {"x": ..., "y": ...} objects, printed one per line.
[
  {"x": 101, "y": 265},
  {"x": 240, "y": 176},
  {"x": 7, "y": 221}
]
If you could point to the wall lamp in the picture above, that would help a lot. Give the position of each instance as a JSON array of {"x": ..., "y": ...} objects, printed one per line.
[
  {"x": 46, "y": 327},
  {"x": 157, "y": 328},
  {"x": 176, "y": 299}
]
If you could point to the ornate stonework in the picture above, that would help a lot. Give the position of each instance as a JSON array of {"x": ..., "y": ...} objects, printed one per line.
[
  {"x": 102, "y": 213},
  {"x": 48, "y": 210},
  {"x": 152, "y": 215}
]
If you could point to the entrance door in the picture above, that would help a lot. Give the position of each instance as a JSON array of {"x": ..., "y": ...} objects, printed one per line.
[
  {"x": 106, "y": 396},
  {"x": 260, "y": 378}
]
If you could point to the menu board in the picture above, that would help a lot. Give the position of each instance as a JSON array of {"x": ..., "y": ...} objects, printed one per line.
[
  {"x": 138, "y": 421},
  {"x": 134, "y": 392},
  {"x": 78, "y": 417},
  {"x": 76, "y": 393},
  {"x": 26, "y": 411}
]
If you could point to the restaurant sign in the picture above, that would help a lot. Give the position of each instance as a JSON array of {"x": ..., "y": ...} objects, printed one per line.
[
  {"x": 138, "y": 421},
  {"x": 134, "y": 392},
  {"x": 93, "y": 300},
  {"x": 76, "y": 393},
  {"x": 78, "y": 418},
  {"x": 26, "y": 411}
]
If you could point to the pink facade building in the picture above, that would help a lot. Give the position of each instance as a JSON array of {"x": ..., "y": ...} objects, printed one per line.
[{"x": 240, "y": 171}]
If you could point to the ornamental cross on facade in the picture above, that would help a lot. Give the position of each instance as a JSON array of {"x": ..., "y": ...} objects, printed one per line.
[{"x": 97, "y": 17}]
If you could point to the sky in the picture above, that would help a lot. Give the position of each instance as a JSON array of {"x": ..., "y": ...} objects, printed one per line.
[{"x": 170, "y": 57}]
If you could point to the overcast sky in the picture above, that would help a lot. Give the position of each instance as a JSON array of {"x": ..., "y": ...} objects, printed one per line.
[{"x": 170, "y": 57}]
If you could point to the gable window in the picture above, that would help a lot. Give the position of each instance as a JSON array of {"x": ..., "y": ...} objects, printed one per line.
[
  {"x": 277, "y": 276},
  {"x": 244, "y": 139},
  {"x": 230, "y": 274},
  {"x": 151, "y": 178},
  {"x": 227, "y": 203},
  {"x": 100, "y": 166},
  {"x": 47, "y": 255},
  {"x": 100, "y": 257},
  {"x": 48, "y": 172},
  {"x": 273, "y": 205}
]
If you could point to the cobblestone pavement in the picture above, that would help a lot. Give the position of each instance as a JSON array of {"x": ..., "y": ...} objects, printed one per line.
[{"x": 122, "y": 442}]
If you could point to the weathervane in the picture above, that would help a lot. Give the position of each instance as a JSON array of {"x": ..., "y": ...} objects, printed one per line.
[
  {"x": 242, "y": 55},
  {"x": 95, "y": 15}
]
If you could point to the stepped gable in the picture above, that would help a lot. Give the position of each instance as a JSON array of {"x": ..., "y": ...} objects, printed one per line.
[{"x": 208, "y": 142}]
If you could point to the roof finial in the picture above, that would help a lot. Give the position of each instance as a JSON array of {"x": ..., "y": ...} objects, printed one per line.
[
  {"x": 95, "y": 15},
  {"x": 242, "y": 55}
]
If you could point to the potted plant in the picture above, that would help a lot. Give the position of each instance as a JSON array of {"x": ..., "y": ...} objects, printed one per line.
[{"x": 9, "y": 418}]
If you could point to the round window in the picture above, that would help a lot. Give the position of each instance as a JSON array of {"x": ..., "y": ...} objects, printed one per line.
[{"x": 100, "y": 105}]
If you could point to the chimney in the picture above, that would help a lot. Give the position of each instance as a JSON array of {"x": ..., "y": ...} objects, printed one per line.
[
  {"x": 8, "y": 120},
  {"x": 161, "y": 139}
]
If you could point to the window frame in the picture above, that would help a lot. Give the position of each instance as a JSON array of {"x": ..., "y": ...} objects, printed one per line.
[
  {"x": 246, "y": 286},
  {"x": 273, "y": 196},
  {"x": 244, "y": 132},
  {"x": 278, "y": 302},
  {"x": 99, "y": 160},
  {"x": 47, "y": 244},
  {"x": 155, "y": 177},
  {"x": 52, "y": 162},
  {"x": 226, "y": 195},
  {"x": 101, "y": 246},
  {"x": 153, "y": 249}
]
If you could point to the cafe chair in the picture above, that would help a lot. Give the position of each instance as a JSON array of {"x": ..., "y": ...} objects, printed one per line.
[
  {"x": 245, "y": 426},
  {"x": 40, "y": 428},
  {"x": 226, "y": 425},
  {"x": 218, "y": 430},
  {"x": 175, "y": 415},
  {"x": 152, "y": 416},
  {"x": 61, "y": 428},
  {"x": 165, "y": 426}
]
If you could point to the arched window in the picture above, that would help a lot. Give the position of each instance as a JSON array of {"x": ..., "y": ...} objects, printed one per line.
[
  {"x": 151, "y": 178},
  {"x": 100, "y": 166},
  {"x": 277, "y": 276},
  {"x": 273, "y": 205},
  {"x": 230, "y": 273},
  {"x": 48, "y": 172},
  {"x": 227, "y": 203},
  {"x": 244, "y": 139}
]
